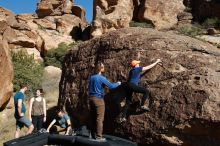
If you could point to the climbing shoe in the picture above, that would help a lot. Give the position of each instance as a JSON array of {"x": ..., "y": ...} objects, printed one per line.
[
  {"x": 145, "y": 108},
  {"x": 121, "y": 120},
  {"x": 73, "y": 133}
]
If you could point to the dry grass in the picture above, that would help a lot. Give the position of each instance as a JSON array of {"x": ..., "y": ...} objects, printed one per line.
[{"x": 7, "y": 128}]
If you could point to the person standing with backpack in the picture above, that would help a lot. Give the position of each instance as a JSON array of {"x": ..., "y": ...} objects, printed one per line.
[{"x": 37, "y": 110}]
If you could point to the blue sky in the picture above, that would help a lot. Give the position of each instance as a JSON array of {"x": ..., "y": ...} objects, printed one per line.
[{"x": 29, "y": 6}]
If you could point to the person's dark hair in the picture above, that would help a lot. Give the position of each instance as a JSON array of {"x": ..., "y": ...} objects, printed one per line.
[
  {"x": 23, "y": 85},
  {"x": 59, "y": 109},
  {"x": 98, "y": 67},
  {"x": 41, "y": 90}
]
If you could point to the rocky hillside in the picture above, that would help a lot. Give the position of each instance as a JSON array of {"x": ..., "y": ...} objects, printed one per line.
[
  {"x": 185, "y": 95},
  {"x": 44, "y": 31},
  {"x": 55, "y": 22},
  {"x": 111, "y": 15},
  {"x": 162, "y": 14}
]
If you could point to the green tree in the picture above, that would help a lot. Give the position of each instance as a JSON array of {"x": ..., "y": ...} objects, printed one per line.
[
  {"x": 26, "y": 70},
  {"x": 54, "y": 57}
]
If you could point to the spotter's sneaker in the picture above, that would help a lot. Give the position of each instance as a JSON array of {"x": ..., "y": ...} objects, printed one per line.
[
  {"x": 121, "y": 120},
  {"x": 100, "y": 139}
]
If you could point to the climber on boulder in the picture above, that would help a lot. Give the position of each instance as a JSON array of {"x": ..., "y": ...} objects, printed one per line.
[{"x": 132, "y": 86}]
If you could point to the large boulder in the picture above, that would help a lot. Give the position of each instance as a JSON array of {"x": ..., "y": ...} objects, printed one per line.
[
  {"x": 6, "y": 87},
  {"x": 67, "y": 24},
  {"x": 29, "y": 20},
  {"x": 6, "y": 14},
  {"x": 50, "y": 84},
  {"x": 6, "y": 69},
  {"x": 184, "y": 18},
  {"x": 45, "y": 23},
  {"x": 185, "y": 95},
  {"x": 23, "y": 41},
  {"x": 54, "y": 8},
  {"x": 11, "y": 19},
  {"x": 6, "y": 18},
  {"x": 111, "y": 15},
  {"x": 52, "y": 38},
  {"x": 161, "y": 13},
  {"x": 9, "y": 33},
  {"x": 53, "y": 30},
  {"x": 79, "y": 12}
]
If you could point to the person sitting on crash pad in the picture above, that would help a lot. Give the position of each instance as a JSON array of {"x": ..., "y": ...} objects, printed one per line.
[
  {"x": 133, "y": 85},
  {"x": 61, "y": 123}
]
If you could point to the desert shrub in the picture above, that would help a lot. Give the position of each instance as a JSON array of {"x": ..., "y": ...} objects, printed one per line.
[
  {"x": 190, "y": 30},
  {"x": 141, "y": 24},
  {"x": 211, "y": 22},
  {"x": 26, "y": 70},
  {"x": 54, "y": 57}
]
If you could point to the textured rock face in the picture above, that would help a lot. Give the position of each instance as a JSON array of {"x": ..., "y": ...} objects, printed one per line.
[
  {"x": 111, "y": 15},
  {"x": 6, "y": 69},
  {"x": 54, "y": 7},
  {"x": 184, "y": 18},
  {"x": 6, "y": 88},
  {"x": 203, "y": 9},
  {"x": 80, "y": 12},
  {"x": 185, "y": 93},
  {"x": 161, "y": 13}
]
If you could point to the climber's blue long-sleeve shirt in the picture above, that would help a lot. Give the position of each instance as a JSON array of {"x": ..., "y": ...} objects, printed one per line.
[{"x": 97, "y": 83}]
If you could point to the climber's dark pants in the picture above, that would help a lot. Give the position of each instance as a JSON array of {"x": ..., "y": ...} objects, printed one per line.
[{"x": 130, "y": 88}]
